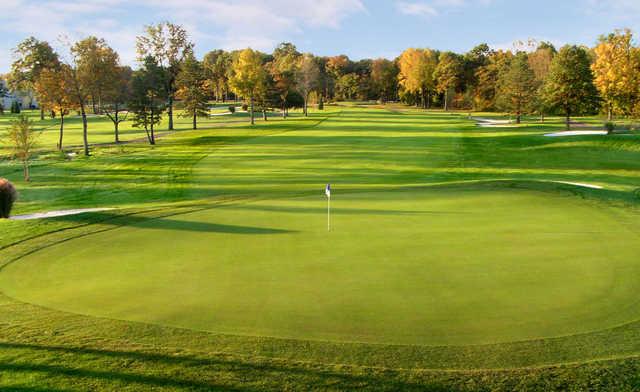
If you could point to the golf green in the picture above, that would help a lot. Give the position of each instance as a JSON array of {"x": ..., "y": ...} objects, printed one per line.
[{"x": 430, "y": 266}]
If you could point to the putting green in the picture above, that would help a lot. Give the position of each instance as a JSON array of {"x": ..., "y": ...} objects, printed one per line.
[{"x": 426, "y": 267}]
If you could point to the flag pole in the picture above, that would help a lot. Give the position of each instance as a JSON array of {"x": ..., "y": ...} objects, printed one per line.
[{"x": 329, "y": 213}]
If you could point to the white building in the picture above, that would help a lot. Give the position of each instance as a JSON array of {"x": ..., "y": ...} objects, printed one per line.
[{"x": 26, "y": 99}]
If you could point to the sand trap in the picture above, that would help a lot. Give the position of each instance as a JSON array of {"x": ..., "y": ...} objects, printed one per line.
[
  {"x": 575, "y": 133},
  {"x": 581, "y": 184},
  {"x": 488, "y": 122},
  {"x": 54, "y": 214},
  {"x": 220, "y": 114}
]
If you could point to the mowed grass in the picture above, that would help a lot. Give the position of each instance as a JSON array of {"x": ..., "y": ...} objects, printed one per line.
[{"x": 452, "y": 248}]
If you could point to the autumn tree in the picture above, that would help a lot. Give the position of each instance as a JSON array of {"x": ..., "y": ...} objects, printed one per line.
[
  {"x": 98, "y": 68},
  {"x": 307, "y": 78},
  {"x": 191, "y": 84},
  {"x": 447, "y": 75},
  {"x": 569, "y": 85},
  {"x": 217, "y": 65},
  {"x": 31, "y": 58},
  {"x": 487, "y": 76},
  {"x": 540, "y": 63},
  {"x": 616, "y": 72},
  {"x": 384, "y": 76},
  {"x": 22, "y": 138},
  {"x": 516, "y": 87},
  {"x": 416, "y": 73},
  {"x": 347, "y": 86},
  {"x": 53, "y": 87},
  {"x": 116, "y": 99},
  {"x": 148, "y": 97},
  {"x": 248, "y": 76},
  {"x": 169, "y": 45},
  {"x": 283, "y": 72}
]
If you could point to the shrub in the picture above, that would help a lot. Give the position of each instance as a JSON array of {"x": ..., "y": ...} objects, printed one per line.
[
  {"x": 245, "y": 107},
  {"x": 15, "y": 107},
  {"x": 8, "y": 196},
  {"x": 232, "y": 109},
  {"x": 610, "y": 127}
]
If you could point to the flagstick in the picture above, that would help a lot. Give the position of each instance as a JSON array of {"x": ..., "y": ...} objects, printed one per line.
[{"x": 329, "y": 213}]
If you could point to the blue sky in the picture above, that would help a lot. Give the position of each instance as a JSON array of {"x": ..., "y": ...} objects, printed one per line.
[{"x": 358, "y": 28}]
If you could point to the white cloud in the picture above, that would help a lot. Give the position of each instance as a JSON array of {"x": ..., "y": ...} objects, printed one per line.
[
  {"x": 434, "y": 7},
  {"x": 210, "y": 23}
]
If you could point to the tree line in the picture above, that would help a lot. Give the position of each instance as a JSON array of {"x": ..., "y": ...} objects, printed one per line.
[{"x": 538, "y": 79}]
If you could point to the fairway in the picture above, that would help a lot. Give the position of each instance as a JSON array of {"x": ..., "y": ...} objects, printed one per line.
[{"x": 442, "y": 266}]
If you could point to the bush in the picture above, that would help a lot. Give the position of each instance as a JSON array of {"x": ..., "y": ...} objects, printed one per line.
[
  {"x": 8, "y": 196},
  {"x": 15, "y": 107},
  {"x": 610, "y": 127},
  {"x": 232, "y": 109},
  {"x": 245, "y": 107}
]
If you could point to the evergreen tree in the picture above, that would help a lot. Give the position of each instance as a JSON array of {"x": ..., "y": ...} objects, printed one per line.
[
  {"x": 148, "y": 97},
  {"x": 517, "y": 87}
]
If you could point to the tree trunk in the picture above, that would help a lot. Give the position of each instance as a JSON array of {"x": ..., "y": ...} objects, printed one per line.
[
  {"x": 85, "y": 138},
  {"x": 518, "y": 118},
  {"x": 170, "y": 112},
  {"x": 195, "y": 121},
  {"x": 25, "y": 170},
  {"x": 609, "y": 113},
  {"x": 251, "y": 109},
  {"x": 116, "y": 125},
  {"x": 41, "y": 113},
  {"x": 541, "y": 116},
  {"x": 305, "y": 108},
  {"x": 264, "y": 114},
  {"x": 568, "y": 120},
  {"x": 61, "y": 130},
  {"x": 284, "y": 110},
  {"x": 93, "y": 104},
  {"x": 446, "y": 101}
]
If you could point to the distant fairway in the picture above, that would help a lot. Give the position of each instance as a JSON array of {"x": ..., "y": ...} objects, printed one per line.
[{"x": 460, "y": 265}]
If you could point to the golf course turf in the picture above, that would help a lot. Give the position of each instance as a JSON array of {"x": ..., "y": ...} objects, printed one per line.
[{"x": 452, "y": 247}]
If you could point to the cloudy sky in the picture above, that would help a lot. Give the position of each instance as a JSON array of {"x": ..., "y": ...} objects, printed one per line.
[{"x": 358, "y": 28}]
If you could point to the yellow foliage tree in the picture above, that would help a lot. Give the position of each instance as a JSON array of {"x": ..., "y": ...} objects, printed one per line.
[
  {"x": 615, "y": 72},
  {"x": 416, "y": 72},
  {"x": 54, "y": 91},
  {"x": 248, "y": 76}
]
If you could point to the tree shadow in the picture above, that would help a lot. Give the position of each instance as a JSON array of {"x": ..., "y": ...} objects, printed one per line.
[
  {"x": 200, "y": 373},
  {"x": 168, "y": 223}
]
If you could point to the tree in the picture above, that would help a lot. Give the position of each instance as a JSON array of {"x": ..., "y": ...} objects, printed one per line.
[
  {"x": 169, "y": 45},
  {"x": 540, "y": 63},
  {"x": 569, "y": 85},
  {"x": 249, "y": 74},
  {"x": 384, "y": 76},
  {"x": 516, "y": 87},
  {"x": 116, "y": 99},
  {"x": 54, "y": 89},
  {"x": 191, "y": 84},
  {"x": 447, "y": 75},
  {"x": 616, "y": 72},
  {"x": 487, "y": 76},
  {"x": 98, "y": 68},
  {"x": 32, "y": 56},
  {"x": 416, "y": 73},
  {"x": 347, "y": 86},
  {"x": 22, "y": 138},
  {"x": 283, "y": 72},
  {"x": 307, "y": 78},
  {"x": 8, "y": 196},
  {"x": 217, "y": 65},
  {"x": 148, "y": 97}
]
